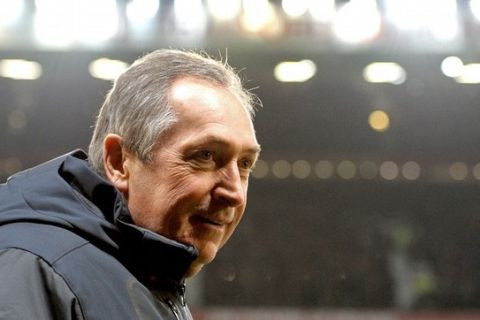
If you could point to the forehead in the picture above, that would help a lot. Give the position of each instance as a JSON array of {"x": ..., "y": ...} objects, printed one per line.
[
  {"x": 210, "y": 110},
  {"x": 203, "y": 92}
]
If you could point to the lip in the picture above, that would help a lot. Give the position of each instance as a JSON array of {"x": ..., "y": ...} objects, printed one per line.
[{"x": 208, "y": 221}]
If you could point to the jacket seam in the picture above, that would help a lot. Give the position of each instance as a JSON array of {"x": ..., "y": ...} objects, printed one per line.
[
  {"x": 60, "y": 254},
  {"x": 55, "y": 260},
  {"x": 74, "y": 194},
  {"x": 53, "y": 269}
]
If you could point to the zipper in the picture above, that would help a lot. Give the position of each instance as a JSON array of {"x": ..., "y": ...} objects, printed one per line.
[
  {"x": 172, "y": 307},
  {"x": 182, "y": 294}
]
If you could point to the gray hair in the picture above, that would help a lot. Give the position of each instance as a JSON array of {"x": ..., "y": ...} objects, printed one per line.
[{"x": 137, "y": 107}]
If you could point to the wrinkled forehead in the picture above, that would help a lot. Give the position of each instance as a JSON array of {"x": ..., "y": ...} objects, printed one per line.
[
  {"x": 179, "y": 91},
  {"x": 199, "y": 105},
  {"x": 189, "y": 96}
]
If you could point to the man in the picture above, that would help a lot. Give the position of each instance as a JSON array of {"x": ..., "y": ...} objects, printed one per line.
[{"x": 164, "y": 188}]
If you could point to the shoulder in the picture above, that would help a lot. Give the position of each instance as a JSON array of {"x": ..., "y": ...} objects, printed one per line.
[
  {"x": 31, "y": 289},
  {"x": 46, "y": 241},
  {"x": 66, "y": 252},
  {"x": 54, "y": 258}
]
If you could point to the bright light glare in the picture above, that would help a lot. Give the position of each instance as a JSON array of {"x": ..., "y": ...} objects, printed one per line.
[
  {"x": 384, "y": 72},
  {"x": 11, "y": 11},
  {"x": 142, "y": 11},
  {"x": 438, "y": 16},
  {"x": 346, "y": 169},
  {"x": 379, "y": 120},
  {"x": 97, "y": 20},
  {"x": 295, "y": 8},
  {"x": 20, "y": 69},
  {"x": 281, "y": 169},
  {"x": 357, "y": 21},
  {"x": 295, "y": 71},
  {"x": 107, "y": 69},
  {"x": 53, "y": 24},
  {"x": 411, "y": 170},
  {"x": 475, "y": 7},
  {"x": 324, "y": 169},
  {"x": 301, "y": 169},
  {"x": 476, "y": 171},
  {"x": 261, "y": 169},
  {"x": 190, "y": 15},
  {"x": 452, "y": 66},
  {"x": 322, "y": 10},
  {"x": 257, "y": 14},
  {"x": 59, "y": 23},
  {"x": 458, "y": 171},
  {"x": 389, "y": 170},
  {"x": 470, "y": 74},
  {"x": 407, "y": 14},
  {"x": 443, "y": 22},
  {"x": 224, "y": 10}
]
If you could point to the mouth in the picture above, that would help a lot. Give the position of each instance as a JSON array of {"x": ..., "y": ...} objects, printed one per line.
[{"x": 208, "y": 221}]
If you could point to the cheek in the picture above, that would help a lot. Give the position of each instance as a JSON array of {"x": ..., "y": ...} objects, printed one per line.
[
  {"x": 190, "y": 186},
  {"x": 149, "y": 200},
  {"x": 180, "y": 196}
]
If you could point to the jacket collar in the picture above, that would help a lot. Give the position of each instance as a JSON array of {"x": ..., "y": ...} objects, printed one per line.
[{"x": 154, "y": 259}]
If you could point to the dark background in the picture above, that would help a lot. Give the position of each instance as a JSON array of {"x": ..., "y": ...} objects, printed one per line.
[
  {"x": 328, "y": 243},
  {"x": 310, "y": 242}
]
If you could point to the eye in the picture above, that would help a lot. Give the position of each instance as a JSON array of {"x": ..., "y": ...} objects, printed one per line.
[
  {"x": 205, "y": 155},
  {"x": 246, "y": 164}
]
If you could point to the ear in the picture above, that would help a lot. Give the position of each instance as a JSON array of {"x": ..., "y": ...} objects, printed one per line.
[{"x": 114, "y": 157}]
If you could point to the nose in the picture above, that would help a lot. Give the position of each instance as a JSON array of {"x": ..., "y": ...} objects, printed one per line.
[{"x": 230, "y": 189}]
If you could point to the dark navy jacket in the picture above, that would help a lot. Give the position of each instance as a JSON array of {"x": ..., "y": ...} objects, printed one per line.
[{"x": 69, "y": 250}]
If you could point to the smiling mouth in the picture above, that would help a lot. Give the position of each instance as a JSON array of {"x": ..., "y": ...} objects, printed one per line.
[{"x": 208, "y": 221}]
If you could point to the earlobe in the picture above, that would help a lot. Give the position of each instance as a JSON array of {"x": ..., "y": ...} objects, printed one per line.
[{"x": 114, "y": 157}]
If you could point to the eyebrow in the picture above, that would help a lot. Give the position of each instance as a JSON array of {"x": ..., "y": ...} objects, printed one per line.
[{"x": 210, "y": 139}]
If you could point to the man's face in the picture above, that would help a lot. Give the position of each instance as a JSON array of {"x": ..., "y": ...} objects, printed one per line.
[{"x": 195, "y": 190}]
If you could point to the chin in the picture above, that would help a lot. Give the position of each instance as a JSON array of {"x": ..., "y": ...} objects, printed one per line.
[
  {"x": 194, "y": 268},
  {"x": 204, "y": 257},
  {"x": 207, "y": 252}
]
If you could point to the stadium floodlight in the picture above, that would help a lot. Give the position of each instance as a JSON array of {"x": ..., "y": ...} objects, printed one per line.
[
  {"x": 452, "y": 66},
  {"x": 440, "y": 17},
  {"x": 53, "y": 23},
  {"x": 107, "y": 69},
  {"x": 322, "y": 10},
  {"x": 11, "y": 12},
  {"x": 20, "y": 69},
  {"x": 142, "y": 11},
  {"x": 470, "y": 74},
  {"x": 295, "y": 71},
  {"x": 190, "y": 16},
  {"x": 224, "y": 10},
  {"x": 295, "y": 8},
  {"x": 357, "y": 21},
  {"x": 384, "y": 72},
  {"x": 61, "y": 23},
  {"x": 475, "y": 8},
  {"x": 257, "y": 14},
  {"x": 443, "y": 20},
  {"x": 97, "y": 21}
]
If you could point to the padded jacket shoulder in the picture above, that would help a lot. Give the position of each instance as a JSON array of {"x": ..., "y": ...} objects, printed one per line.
[{"x": 68, "y": 250}]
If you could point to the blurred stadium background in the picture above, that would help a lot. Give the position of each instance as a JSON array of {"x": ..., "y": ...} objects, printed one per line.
[{"x": 366, "y": 202}]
